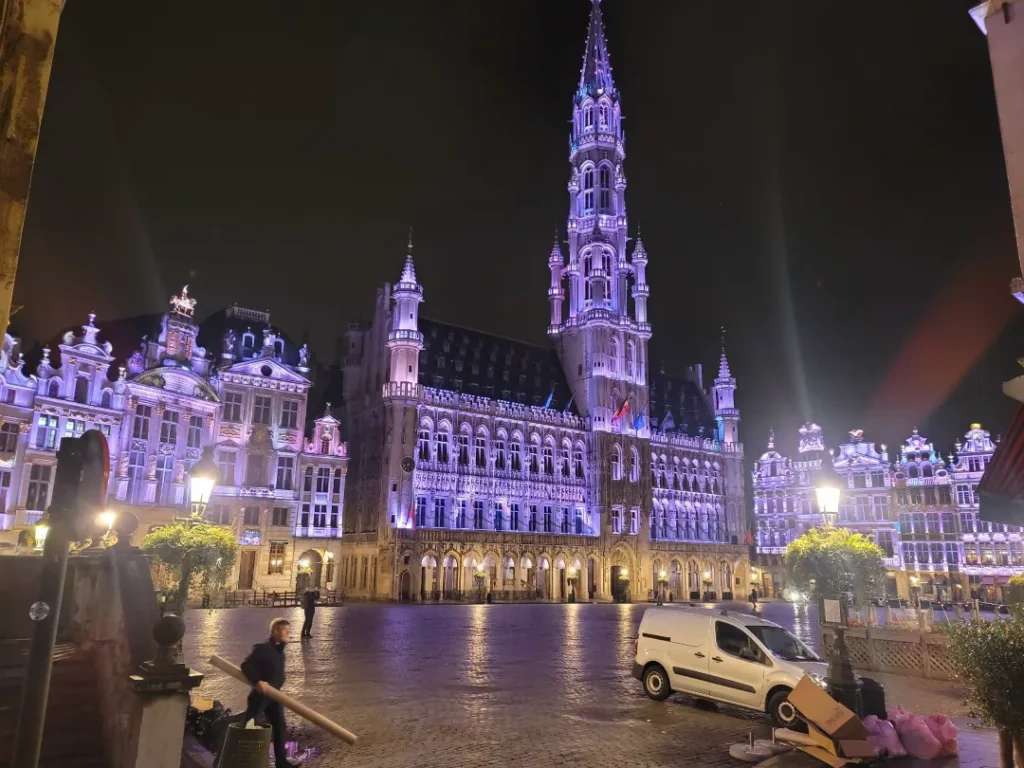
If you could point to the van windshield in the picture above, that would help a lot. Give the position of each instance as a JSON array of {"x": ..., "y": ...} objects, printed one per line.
[{"x": 782, "y": 644}]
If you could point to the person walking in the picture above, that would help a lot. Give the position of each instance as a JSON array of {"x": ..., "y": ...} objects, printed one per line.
[
  {"x": 264, "y": 667},
  {"x": 309, "y": 598},
  {"x": 753, "y": 599}
]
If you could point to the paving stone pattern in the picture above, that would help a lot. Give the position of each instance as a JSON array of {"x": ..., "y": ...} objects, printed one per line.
[{"x": 458, "y": 686}]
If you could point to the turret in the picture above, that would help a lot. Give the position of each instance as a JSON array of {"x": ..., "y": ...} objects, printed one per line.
[
  {"x": 555, "y": 293},
  {"x": 727, "y": 415},
  {"x": 405, "y": 341}
]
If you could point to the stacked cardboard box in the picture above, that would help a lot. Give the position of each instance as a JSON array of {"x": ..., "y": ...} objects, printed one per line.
[{"x": 835, "y": 735}]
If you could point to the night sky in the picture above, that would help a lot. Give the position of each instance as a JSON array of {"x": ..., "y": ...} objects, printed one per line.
[{"x": 825, "y": 179}]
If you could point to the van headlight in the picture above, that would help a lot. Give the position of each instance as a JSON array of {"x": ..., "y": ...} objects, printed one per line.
[{"x": 819, "y": 679}]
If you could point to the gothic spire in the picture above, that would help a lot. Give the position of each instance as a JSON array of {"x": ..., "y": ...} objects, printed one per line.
[
  {"x": 596, "y": 72},
  {"x": 723, "y": 361},
  {"x": 409, "y": 269}
]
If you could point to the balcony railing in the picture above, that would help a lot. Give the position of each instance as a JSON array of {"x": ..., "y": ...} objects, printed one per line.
[{"x": 316, "y": 532}]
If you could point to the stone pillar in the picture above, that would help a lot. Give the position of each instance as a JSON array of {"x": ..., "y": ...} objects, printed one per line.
[{"x": 163, "y": 685}]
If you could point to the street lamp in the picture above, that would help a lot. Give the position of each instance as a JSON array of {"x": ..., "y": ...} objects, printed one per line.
[
  {"x": 41, "y": 531},
  {"x": 826, "y": 489},
  {"x": 201, "y": 481},
  {"x": 106, "y": 519}
]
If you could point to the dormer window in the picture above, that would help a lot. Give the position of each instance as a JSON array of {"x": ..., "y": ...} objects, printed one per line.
[
  {"x": 325, "y": 445},
  {"x": 248, "y": 343},
  {"x": 279, "y": 348}
]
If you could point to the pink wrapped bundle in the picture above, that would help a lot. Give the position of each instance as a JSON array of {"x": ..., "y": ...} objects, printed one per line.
[
  {"x": 883, "y": 737},
  {"x": 917, "y": 737},
  {"x": 943, "y": 729}
]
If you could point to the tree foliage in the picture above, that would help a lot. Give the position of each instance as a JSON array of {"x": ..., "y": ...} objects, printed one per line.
[
  {"x": 194, "y": 551},
  {"x": 834, "y": 561},
  {"x": 989, "y": 658}
]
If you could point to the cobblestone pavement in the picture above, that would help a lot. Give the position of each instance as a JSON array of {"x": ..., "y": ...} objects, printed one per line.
[{"x": 478, "y": 685}]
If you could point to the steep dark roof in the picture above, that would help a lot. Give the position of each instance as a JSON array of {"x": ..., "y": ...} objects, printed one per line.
[
  {"x": 239, "y": 319},
  {"x": 689, "y": 406},
  {"x": 470, "y": 361}
]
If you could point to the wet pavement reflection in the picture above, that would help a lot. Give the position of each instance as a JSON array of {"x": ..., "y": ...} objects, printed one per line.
[{"x": 469, "y": 685}]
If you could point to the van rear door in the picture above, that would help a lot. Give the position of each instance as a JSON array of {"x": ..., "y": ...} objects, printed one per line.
[{"x": 688, "y": 655}]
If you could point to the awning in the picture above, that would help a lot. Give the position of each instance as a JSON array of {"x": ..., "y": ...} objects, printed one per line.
[{"x": 1001, "y": 491}]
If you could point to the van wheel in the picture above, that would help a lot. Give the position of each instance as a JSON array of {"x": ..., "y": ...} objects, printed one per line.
[
  {"x": 656, "y": 683},
  {"x": 782, "y": 713}
]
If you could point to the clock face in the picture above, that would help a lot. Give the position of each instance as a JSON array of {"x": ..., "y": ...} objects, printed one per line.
[{"x": 407, "y": 463}]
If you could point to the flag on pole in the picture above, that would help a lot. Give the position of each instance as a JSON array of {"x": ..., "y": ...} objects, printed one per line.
[
  {"x": 568, "y": 406},
  {"x": 623, "y": 411},
  {"x": 551, "y": 396},
  {"x": 638, "y": 422}
]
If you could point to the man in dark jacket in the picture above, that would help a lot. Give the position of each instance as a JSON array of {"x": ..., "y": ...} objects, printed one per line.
[
  {"x": 265, "y": 667},
  {"x": 309, "y": 598}
]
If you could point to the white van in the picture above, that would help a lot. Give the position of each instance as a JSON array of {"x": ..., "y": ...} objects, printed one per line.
[{"x": 724, "y": 656}]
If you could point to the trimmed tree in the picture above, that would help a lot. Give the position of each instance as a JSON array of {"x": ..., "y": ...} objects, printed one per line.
[
  {"x": 194, "y": 552},
  {"x": 989, "y": 657},
  {"x": 834, "y": 561}
]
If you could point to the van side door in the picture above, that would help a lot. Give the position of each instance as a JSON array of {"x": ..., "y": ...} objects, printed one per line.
[
  {"x": 688, "y": 656},
  {"x": 737, "y": 666}
]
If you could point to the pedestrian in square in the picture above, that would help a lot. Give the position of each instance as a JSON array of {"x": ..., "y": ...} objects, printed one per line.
[
  {"x": 309, "y": 598},
  {"x": 264, "y": 667},
  {"x": 753, "y": 599}
]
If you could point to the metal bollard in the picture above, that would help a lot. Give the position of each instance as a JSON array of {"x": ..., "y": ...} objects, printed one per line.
[{"x": 244, "y": 747}]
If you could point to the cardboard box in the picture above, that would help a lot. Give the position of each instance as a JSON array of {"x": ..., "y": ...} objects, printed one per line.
[
  {"x": 815, "y": 706},
  {"x": 856, "y": 748}
]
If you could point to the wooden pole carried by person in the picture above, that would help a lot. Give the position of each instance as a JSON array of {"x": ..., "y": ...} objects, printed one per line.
[{"x": 285, "y": 700}]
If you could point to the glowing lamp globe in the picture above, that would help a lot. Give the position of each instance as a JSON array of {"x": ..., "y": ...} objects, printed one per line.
[{"x": 201, "y": 480}]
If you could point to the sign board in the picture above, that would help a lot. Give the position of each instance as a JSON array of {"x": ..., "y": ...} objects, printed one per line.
[
  {"x": 250, "y": 538},
  {"x": 831, "y": 611}
]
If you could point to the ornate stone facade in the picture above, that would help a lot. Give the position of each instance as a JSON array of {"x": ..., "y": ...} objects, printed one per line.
[
  {"x": 481, "y": 464},
  {"x": 171, "y": 399},
  {"x": 921, "y": 510}
]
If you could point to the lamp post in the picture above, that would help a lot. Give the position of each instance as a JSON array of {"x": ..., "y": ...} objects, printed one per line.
[
  {"x": 662, "y": 586},
  {"x": 623, "y": 591},
  {"x": 706, "y": 577},
  {"x": 201, "y": 481},
  {"x": 842, "y": 683},
  {"x": 478, "y": 577}
]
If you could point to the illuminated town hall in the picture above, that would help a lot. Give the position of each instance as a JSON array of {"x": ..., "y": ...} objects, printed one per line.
[{"x": 574, "y": 469}]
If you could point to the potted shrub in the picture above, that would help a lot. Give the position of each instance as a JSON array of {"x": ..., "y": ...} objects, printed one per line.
[{"x": 989, "y": 659}]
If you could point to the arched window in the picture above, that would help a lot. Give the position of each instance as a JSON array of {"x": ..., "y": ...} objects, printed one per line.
[
  {"x": 54, "y": 388},
  {"x": 106, "y": 398},
  {"x": 927, "y": 472},
  {"x": 605, "y": 183},
  {"x": 588, "y": 116},
  {"x": 630, "y": 359},
  {"x": 588, "y": 190},
  {"x": 606, "y": 263},
  {"x": 912, "y": 472},
  {"x": 248, "y": 342},
  {"x": 634, "y": 465},
  {"x": 616, "y": 462},
  {"x": 613, "y": 355},
  {"x": 423, "y": 445},
  {"x": 441, "y": 446},
  {"x": 602, "y": 115},
  {"x": 81, "y": 390}
]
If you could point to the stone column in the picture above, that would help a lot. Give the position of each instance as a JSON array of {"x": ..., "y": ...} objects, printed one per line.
[{"x": 163, "y": 685}]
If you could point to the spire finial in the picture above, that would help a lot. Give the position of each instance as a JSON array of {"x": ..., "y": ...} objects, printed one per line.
[
  {"x": 410, "y": 240},
  {"x": 771, "y": 439},
  {"x": 723, "y": 361},
  {"x": 596, "y": 72}
]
